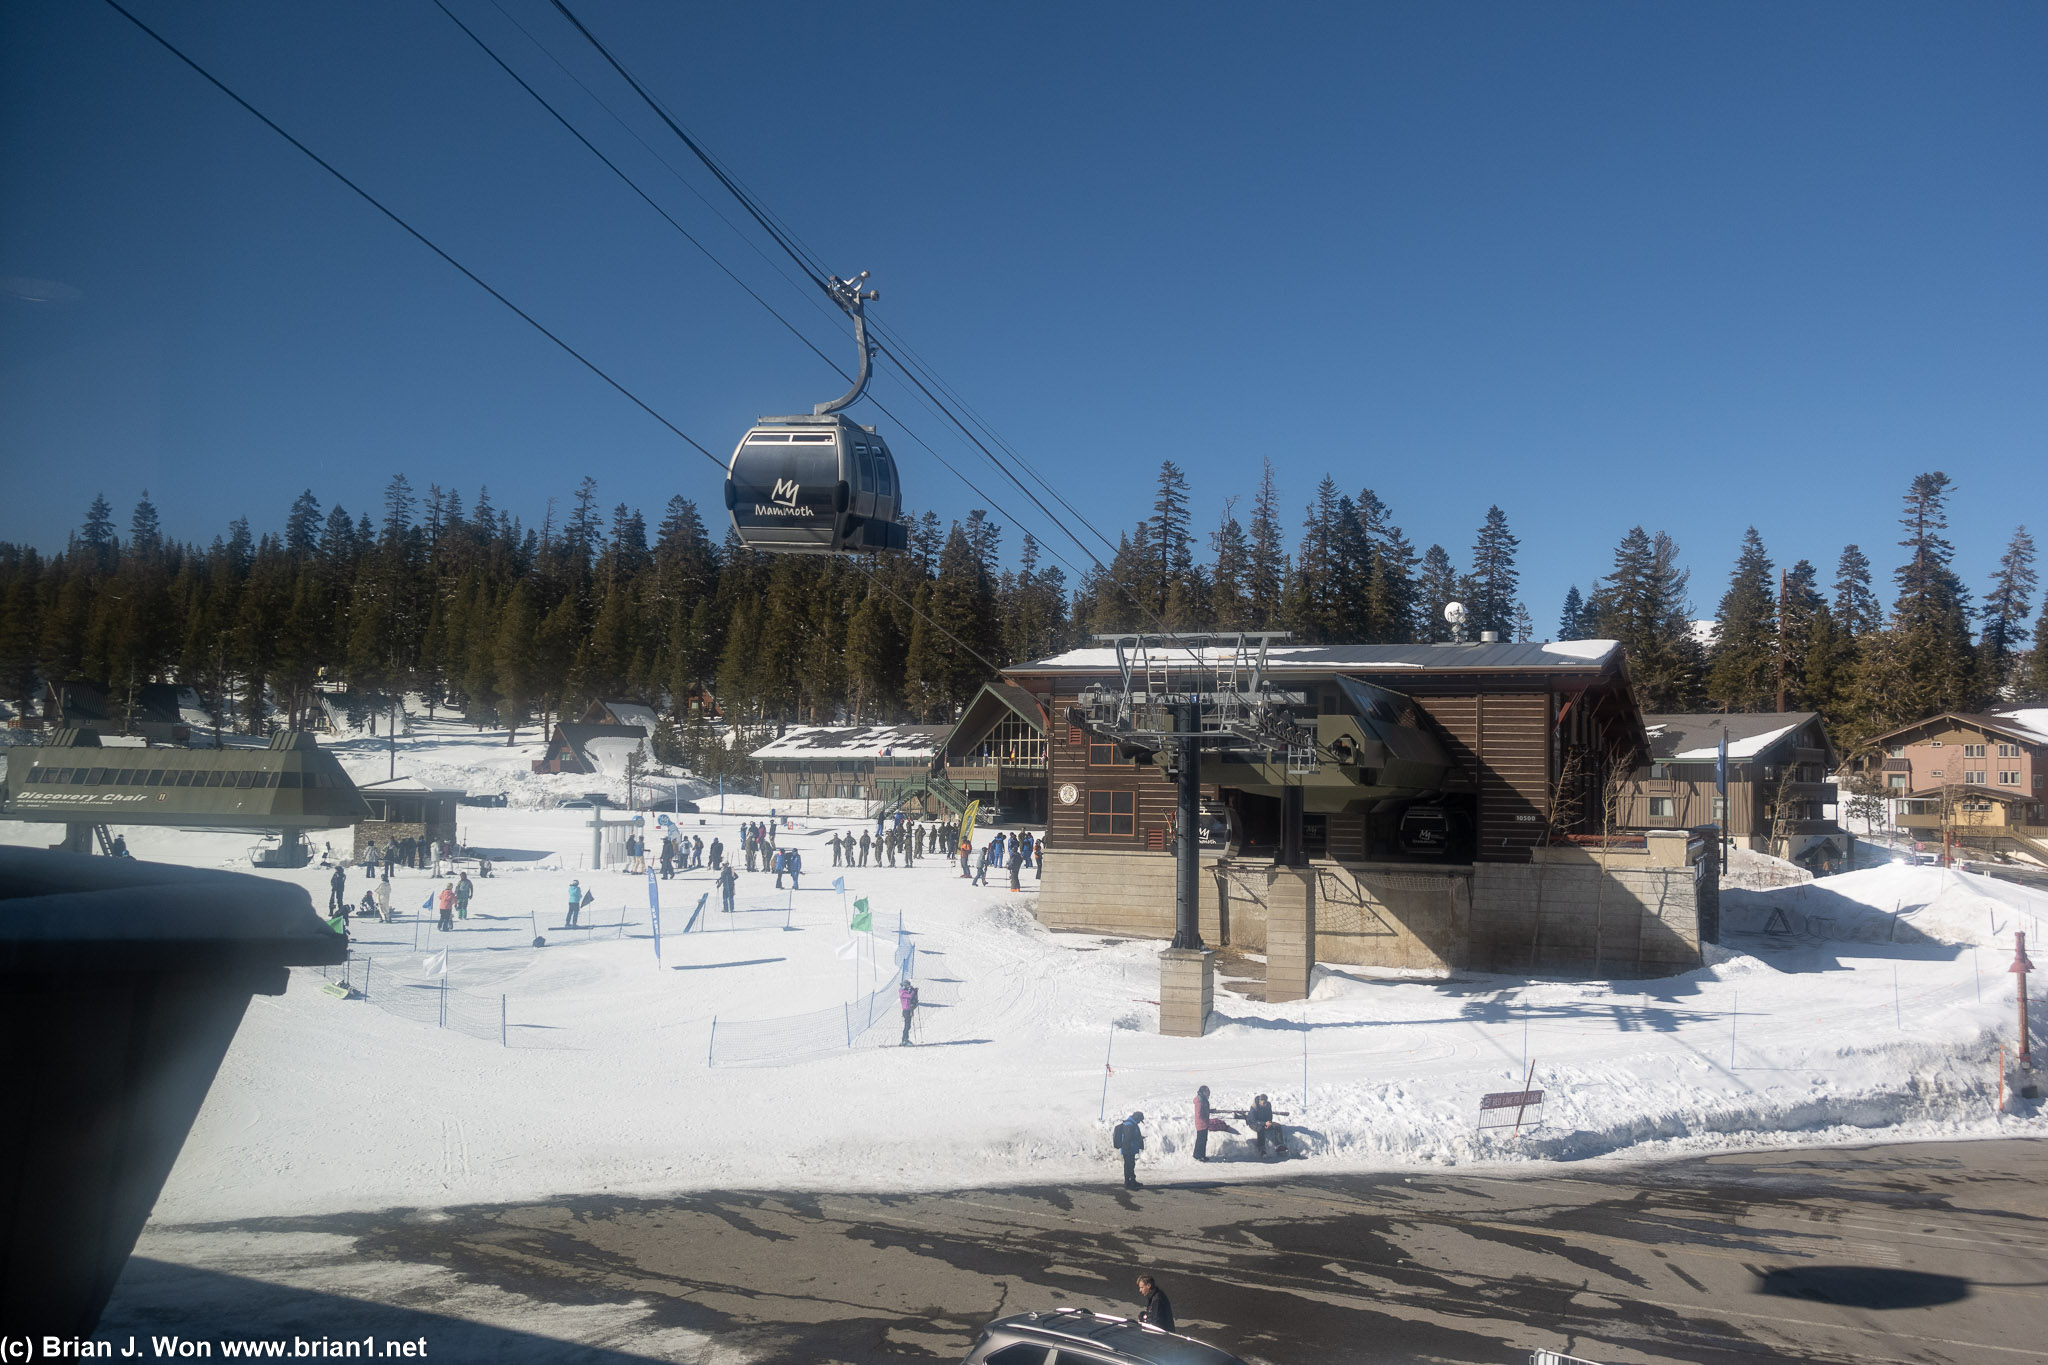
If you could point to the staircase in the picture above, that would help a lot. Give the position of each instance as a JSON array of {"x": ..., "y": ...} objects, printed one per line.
[{"x": 896, "y": 791}]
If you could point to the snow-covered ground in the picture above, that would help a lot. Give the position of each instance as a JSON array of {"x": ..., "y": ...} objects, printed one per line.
[{"x": 1873, "y": 1006}]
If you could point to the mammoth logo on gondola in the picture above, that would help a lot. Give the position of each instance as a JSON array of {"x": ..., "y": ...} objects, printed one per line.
[{"x": 784, "y": 493}]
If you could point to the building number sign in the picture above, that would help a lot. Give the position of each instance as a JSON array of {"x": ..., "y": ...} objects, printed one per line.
[{"x": 1069, "y": 793}]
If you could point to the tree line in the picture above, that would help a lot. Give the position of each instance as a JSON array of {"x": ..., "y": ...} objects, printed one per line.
[{"x": 510, "y": 624}]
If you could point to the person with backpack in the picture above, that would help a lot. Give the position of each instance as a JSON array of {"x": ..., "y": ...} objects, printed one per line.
[
  {"x": 1128, "y": 1138},
  {"x": 906, "y": 1000},
  {"x": 575, "y": 904}
]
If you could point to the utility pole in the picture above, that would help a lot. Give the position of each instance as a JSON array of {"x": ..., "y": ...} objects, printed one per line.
[{"x": 395, "y": 703}]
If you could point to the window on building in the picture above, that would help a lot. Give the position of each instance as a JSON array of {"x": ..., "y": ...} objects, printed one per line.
[
  {"x": 1895, "y": 751},
  {"x": 775, "y": 789},
  {"x": 1660, "y": 772},
  {"x": 1898, "y": 782},
  {"x": 1934, "y": 772},
  {"x": 803, "y": 791},
  {"x": 2008, "y": 751},
  {"x": 1934, "y": 744},
  {"x": 1973, "y": 777},
  {"x": 1112, "y": 812},
  {"x": 1101, "y": 752},
  {"x": 376, "y": 805},
  {"x": 1973, "y": 751},
  {"x": 1663, "y": 807},
  {"x": 2008, "y": 777}
]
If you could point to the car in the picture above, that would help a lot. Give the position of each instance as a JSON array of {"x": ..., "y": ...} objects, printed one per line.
[
  {"x": 1082, "y": 1337},
  {"x": 481, "y": 799},
  {"x": 594, "y": 802}
]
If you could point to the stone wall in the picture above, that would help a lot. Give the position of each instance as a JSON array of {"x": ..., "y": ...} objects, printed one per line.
[
  {"x": 1636, "y": 912},
  {"x": 1623, "y": 913}
]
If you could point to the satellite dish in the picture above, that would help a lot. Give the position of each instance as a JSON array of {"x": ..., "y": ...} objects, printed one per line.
[{"x": 1454, "y": 612}]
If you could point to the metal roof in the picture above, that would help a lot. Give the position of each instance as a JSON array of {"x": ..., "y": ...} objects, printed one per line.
[
  {"x": 1696, "y": 735},
  {"x": 855, "y": 741},
  {"x": 1575, "y": 656}
]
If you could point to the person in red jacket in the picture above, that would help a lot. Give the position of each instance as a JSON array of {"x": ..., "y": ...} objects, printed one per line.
[{"x": 1205, "y": 1124}]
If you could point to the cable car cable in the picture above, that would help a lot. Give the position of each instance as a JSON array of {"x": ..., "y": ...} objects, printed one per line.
[{"x": 414, "y": 232}]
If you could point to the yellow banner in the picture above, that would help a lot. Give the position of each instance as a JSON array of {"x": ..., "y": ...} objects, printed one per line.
[{"x": 967, "y": 821}]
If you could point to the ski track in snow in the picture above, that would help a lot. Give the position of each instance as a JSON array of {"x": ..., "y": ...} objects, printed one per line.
[{"x": 1861, "y": 1020}]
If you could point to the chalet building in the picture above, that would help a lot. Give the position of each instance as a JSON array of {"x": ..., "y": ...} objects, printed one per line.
[
  {"x": 997, "y": 754},
  {"x": 1977, "y": 779},
  {"x": 1782, "y": 798},
  {"x": 1440, "y": 820},
  {"x": 405, "y": 808},
  {"x": 577, "y": 747},
  {"x": 846, "y": 762},
  {"x": 151, "y": 710}
]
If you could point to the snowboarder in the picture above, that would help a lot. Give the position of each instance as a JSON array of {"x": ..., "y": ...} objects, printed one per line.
[
  {"x": 337, "y": 896},
  {"x": 1158, "y": 1311},
  {"x": 575, "y": 904},
  {"x": 464, "y": 889},
  {"x": 1205, "y": 1124},
  {"x": 1129, "y": 1138},
  {"x": 906, "y": 1000},
  {"x": 446, "y": 904},
  {"x": 727, "y": 880}
]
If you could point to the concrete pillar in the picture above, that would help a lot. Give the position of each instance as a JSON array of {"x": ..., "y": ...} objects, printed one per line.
[
  {"x": 1290, "y": 933},
  {"x": 1187, "y": 991}
]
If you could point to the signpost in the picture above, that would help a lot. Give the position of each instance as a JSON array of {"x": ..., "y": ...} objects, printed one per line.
[{"x": 1521, "y": 1101}]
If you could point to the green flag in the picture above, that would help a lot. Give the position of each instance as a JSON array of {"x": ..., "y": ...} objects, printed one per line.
[{"x": 863, "y": 922}]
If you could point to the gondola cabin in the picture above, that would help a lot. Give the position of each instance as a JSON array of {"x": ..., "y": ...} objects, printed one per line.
[{"x": 815, "y": 485}]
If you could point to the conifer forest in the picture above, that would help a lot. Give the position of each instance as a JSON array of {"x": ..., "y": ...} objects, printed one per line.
[{"x": 509, "y": 624}]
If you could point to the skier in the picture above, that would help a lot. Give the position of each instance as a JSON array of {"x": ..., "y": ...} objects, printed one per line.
[
  {"x": 575, "y": 904},
  {"x": 464, "y": 889},
  {"x": 727, "y": 879},
  {"x": 749, "y": 842},
  {"x": 1129, "y": 1138},
  {"x": 833, "y": 844},
  {"x": 668, "y": 858},
  {"x": 384, "y": 898},
  {"x": 337, "y": 896},
  {"x": 906, "y": 1000},
  {"x": 895, "y": 838},
  {"x": 793, "y": 863},
  {"x": 1157, "y": 1311},
  {"x": 717, "y": 853},
  {"x": 1206, "y": 1123},
  {"x": 966, "y": 852},
  {"x": 863, "y": 848},
  {"x": 445, "y": 902},
  {"x": 776, "y": 862},
  {"x": 1016, "y": 864},
  {"x": 981, "y": 864}
]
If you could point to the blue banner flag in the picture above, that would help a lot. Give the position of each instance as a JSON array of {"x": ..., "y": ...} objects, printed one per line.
[
  {"x": 1721, "y": 767},
  {"x": 839, "y": 885},
  {"x": 654, "y": 910}
]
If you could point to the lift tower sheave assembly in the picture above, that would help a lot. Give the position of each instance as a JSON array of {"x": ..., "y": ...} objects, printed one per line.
[{"x": 1176, "y": 696}]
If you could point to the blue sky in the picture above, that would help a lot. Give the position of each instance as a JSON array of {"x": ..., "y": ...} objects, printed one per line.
[{"x": 1695, "y": 267}]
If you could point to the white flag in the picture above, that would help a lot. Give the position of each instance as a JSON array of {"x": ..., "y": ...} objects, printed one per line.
[
  {"x": 437, "y": 963},
  {"x": 847, "y": 949}
]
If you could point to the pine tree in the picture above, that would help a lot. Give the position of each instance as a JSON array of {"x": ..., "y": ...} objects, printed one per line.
[
  {"x": 1856, "y": 609},
  {"x": 1568, "y": 619},
  {"x": 1643, "y": 605},
  {"x": 1494, "y": 577},
  {"x": 1436, "y": 589},
  {"x": 1266, "y": 576},
  {"x": 1817, "y": 654},
  {"x": 302, "y": 525},
  {"x": 145, "y": 531},
  {"x": 1525, "y": 627},
  {"x": 1931, "y": 616},
  {"x": 1172, "y": 545},
  {"x": 1315, "y": 610},
  {"x": 2005, "y": 615},
  {"x": 1743, "y": 672},
  {"x": 97, "y": 534},
  {"x": 1230, "y": 572},
  {"x": 2036, "y": 687}
]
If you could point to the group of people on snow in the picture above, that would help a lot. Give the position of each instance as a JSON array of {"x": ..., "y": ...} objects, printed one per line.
[
  {"x": 1013, "y": 851},
  {"x": 1128, "y": 1137}
]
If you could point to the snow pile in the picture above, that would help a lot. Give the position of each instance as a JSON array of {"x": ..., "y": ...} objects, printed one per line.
[
  {"x": 1749, "y": 870},
  {"x": 1896, "y": 903}
]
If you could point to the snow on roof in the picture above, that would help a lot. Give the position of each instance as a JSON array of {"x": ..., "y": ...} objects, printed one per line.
[
  {"x": 1696, "y": 736},
  {"x": 609, "y": 753},
  {"x": 403, "y": 784},
  {"x": 1324, "y": 658},
  {"x": 633, "y": 713},
  {"x": 855, "y": 741},
  {"x": 2033, "y": 719}
]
